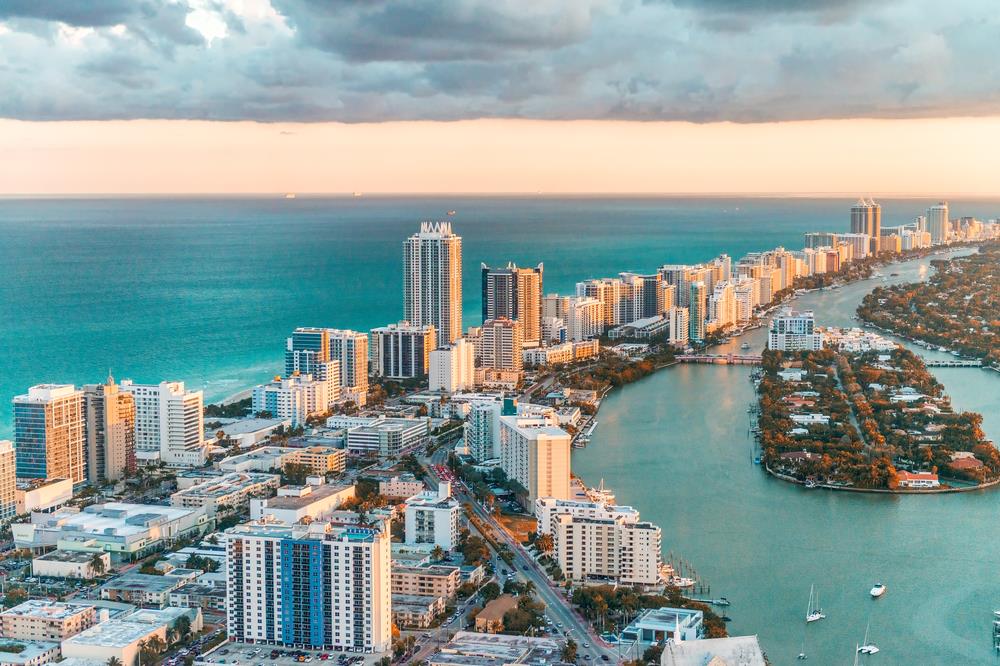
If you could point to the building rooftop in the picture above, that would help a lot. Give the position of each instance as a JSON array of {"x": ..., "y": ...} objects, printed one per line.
[
  {"x": 317, "y": 494},
  {"x": 468, "y": 648},
  {"x": 247, "y": 426},
  {"x": 112, "y": 518},
  {"x": 418, "y": 602},
  {"x": 113, "y": 633},
  {"x": 143, "y": 583},
  {"x": 29, "y": 652},
  {"x": 732, "y": 651},
  {"x": 35, "y": 484},
  {"x": 496, "y": 609},
  {"x": 74, "y": 556},
  {"x": 226, "y": 484},
  {"x": 43, "y": 608}
]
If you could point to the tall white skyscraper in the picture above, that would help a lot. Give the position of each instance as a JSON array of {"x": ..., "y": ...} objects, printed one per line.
[
  {"x": 432, "y": 280},
  {"x": 536, "y": 454},
  {"x": 169, "y": 423},
  {"x": 697, "y": 310},
  {"x": 453, "y": 367},
  {"x": 679, "y": 326},
  {"x": 938, "y": 223}
]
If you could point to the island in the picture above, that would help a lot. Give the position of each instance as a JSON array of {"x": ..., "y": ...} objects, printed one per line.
[
  {"x": 958, "y": 309},
  {"x": 875, "y": 420}
]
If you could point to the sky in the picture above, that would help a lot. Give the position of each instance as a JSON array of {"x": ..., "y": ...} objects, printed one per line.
[{"x": 686, "y": 96}]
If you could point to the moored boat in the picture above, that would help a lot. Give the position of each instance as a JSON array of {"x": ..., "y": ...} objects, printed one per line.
[{"x": 877, "y": 591}]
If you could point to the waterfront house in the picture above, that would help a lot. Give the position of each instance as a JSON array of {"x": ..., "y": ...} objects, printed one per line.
[
  {"x": 964, "y": 464},
  {"x": 656, "y": 625},
  {"x": 921, "y": 480}
]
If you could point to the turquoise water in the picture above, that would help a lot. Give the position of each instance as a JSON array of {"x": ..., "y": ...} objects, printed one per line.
[
  {"x": 206, "y": 289},
  {"x": 675, "y": 446}
]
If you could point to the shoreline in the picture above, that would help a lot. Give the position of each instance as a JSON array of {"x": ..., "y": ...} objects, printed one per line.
[{"x": 882, "y": 491}]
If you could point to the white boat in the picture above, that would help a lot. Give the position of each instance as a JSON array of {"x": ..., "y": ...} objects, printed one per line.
[
  {"x": 290, "y": 195},
  {"x": 877, "y": 591},
  {"x": 867, "y": 647},
  {"x": 813, "y": 611},
  {"x": 680, "y": 581}
]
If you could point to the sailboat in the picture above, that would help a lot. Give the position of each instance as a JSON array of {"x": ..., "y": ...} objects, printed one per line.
[
  {"x": 814, "y": 612},
  {"x": 867, "y": 647}
]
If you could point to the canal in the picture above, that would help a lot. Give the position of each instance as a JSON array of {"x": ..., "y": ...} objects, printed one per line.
[{"x": 675, "y": 446}]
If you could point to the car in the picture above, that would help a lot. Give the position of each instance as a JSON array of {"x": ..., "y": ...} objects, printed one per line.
[
  {"x": 586, "y": 645},
  {"x": 605, "y": 657},
  {"x": 587, "y": 656}
]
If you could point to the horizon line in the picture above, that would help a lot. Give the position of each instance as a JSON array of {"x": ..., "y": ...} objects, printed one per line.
[{"x": 538, "y": 194}]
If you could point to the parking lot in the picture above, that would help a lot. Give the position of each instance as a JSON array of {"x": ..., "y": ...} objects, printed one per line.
[{"x": 244, "y": 654}]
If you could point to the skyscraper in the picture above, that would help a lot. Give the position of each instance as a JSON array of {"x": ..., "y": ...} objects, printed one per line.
[
  {"x": 308, "y": 350},
  {"x": 49, "y": 433},
  {"x": 403, "y": 350},
  {"x": 501, "y": 345},
  {"x": 514, "y": 293},
  {"x": 432, "y": 280},
  {"x": 938, "y": 223},
  {"x": 321, "y": 586},
  {"x": 697, "y": 306},
  {"x": 866, "y": 218},
  {"x": 169, "y": 423},
  {"x": 110, "y": 444}
]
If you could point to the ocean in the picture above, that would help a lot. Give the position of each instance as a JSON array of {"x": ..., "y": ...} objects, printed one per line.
[{"x": 205, "y": 289}]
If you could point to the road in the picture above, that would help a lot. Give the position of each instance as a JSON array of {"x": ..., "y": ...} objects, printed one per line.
[{"x": 557, "y": 606}]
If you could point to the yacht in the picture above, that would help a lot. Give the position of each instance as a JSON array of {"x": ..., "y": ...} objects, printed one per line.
[
  {"x": 290, "y": 195},
  {"x": 868, "y": 647},
  {"x": 813, "y": 611},
  {"x": 877, "y": 591}
]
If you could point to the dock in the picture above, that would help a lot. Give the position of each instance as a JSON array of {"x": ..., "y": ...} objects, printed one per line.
[
  {"x": 957, "y": 363},
  {"x": 721, "y": 359}
]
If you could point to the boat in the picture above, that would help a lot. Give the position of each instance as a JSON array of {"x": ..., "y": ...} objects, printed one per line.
[
  {"x": 680, "y": 581},
  {"x": 756, "y": 460},
  {"x": 451, "y": 212},
  {"x": 290, "y": 195},
  {"x": 877, "y": 591},
  {"x": 867, "y": 647},
  {"x": 813, "y": 611},
  {"x": 359, "y": 194}
]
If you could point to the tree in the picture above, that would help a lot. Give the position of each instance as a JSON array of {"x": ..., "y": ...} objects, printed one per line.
[
  {"x": 295, "y": 473},
  {"x": 490, "y": 591},
  {"x": 569, "y": 651},
  {"x": 183, "y": 626},
  {"x": 437, "y": 554},
  {"x": 544, "y": 543},
  {"x": 114, "y": 661},
  {"x": 15, "y": 596},
  {"x": 97, "y": 564}
]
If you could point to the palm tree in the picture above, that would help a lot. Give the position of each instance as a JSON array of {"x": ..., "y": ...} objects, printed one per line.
[
  {"x": 171, "y": 635},
  {"x": 437, "y": 554},
  {"x": 545, "y": 543},
  {"x": 97, "y": 564},
  {"x": 114, "y": 661}
]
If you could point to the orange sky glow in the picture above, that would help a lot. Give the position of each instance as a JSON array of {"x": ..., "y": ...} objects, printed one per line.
[{"x": 919, "y": 157}]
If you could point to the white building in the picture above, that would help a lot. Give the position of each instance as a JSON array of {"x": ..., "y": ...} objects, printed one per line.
[
  {"x": 584, "y": 318},
  {"x": 536, "y": 454},
  {"x": 938, "y": 223},
  {"x": 794, "y": 331},
  {"x": 169, "y": 423},
  {"x": 500, "y": 345},
  {"x": 432, "y": 280},
  {"x": 405, "y": 486},
  {"x": 43, "y": 495},
  {"x": 453, "y": 367},
  {"x": 679, "y": 326},
  {"x": 295, "y": 398},
  {"x": 381, "y": 435},
  {"x": 433, "y": 516},
  {"x": 338, "y": 356},
  {"x": 403, "y": 350},
  {"x": 598, "y": 542},
  {"x": 230, "y": 492},
  {"x": 482, "y": 430},
  {"x": 295, "y": 503},
  {"x": 337, "y": 577}
]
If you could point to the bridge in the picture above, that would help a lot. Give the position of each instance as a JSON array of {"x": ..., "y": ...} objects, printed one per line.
[
  {"x": 957, "y": 363},
  {"x": 721, "y": 359}
]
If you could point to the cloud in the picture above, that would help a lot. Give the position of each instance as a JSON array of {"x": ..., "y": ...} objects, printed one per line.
[{"x": 380, "y": 60}]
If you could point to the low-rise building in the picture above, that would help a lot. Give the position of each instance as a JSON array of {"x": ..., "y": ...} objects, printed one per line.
[
  {"x": 120, "y": 638},
  {"x": 145, "y": 590},
  {"x": 731, "y": 651},
  {"x": 656, "y": 625},
  {"x": 200, "y": 595},
  {"x": 435, "y": 580},
  {"x": 42, "y": 495},
  {"x": 922, "y": 480},
  {"x": 294, "y": 503},
  {"x": 27, "y": 653},
  {"x": 44, "y": 620},
  {"x": 250, "y": 432},
  {"x": 490, "y": 619},
  {"x": 402, "y": 486},
  {"x": 468, "y": 648},
  {"x": 384, "y": 436},
  {"x": 71, "y": 564},
  {"x": 126, "y": 531},
  {"x": 415, "y": 611},
  {"x": 228, "y": 493},
  {"x": 320, "y": 460},
  {"x": 433, "y": 517}
]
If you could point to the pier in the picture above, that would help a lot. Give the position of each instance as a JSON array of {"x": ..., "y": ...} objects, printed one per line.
[{"x": 721, "y": 359}]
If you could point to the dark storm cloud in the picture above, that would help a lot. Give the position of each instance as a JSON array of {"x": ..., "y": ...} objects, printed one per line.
[{"x": 376, "y": 60}]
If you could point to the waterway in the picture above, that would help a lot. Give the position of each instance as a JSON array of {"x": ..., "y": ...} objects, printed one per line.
[{"x": 675, "y": 446}]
